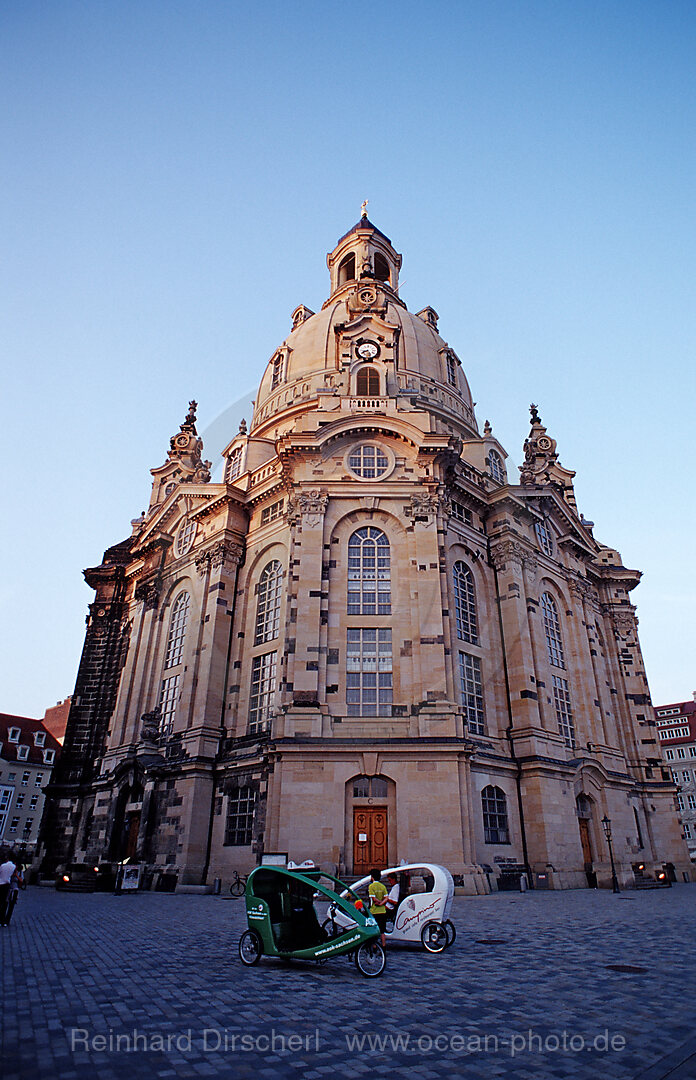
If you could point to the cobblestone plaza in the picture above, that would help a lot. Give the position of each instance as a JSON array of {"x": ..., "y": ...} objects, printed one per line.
[{"x": 150, "y": 985}]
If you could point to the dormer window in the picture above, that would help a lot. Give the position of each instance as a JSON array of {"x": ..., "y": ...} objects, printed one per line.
[
  {"x": 49, "y": 756},
  {"x": 346, "y": 270},
  {"x": 13, "y": 734},
  {"x": 367, "y": 382},
  {"x": 22, "y": 753},
  {"x": 451, "y": 370},
  {"x": 234, "y": 465},
  {"x": 277, "y": 376},
  {"x": 496, "y": 467},
  {"x": 39, "y": 738}
]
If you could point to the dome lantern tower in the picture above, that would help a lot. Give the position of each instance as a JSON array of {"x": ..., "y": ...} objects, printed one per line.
[{"x": 363, "y": 254}]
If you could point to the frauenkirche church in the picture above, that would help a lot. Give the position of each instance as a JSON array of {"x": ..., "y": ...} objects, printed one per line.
[{"x": 370, "y": 643}]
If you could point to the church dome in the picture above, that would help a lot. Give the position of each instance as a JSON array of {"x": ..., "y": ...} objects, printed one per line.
[{"x": 364, "y": 321}]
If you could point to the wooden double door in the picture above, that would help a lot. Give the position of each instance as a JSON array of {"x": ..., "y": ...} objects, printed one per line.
[{"x": 370, "y": 847}]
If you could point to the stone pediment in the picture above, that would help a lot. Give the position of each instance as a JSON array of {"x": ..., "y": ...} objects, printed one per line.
[{"x": 193, "y": 499}]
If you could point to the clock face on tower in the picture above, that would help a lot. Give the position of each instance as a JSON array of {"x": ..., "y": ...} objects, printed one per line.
[{"x": 367, "y": 350}]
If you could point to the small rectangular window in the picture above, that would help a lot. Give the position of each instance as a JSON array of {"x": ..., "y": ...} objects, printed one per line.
[
  {"x": 49, "y": 756},
  {"x": 13, "y": 734},
  {"x": 22, "y": 753},
  {"x": 270, "y": 513},
  {"x": 25, "y": 778},
  {"x": 39, "y": 738},
  {"x": 241, "y": 803}
]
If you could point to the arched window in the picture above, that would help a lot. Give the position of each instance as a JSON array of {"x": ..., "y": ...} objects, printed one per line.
[
  {"x": 370, "y": 787},
  {"x": 367, "y": 382},
  {"x": 169, "y": 690},
  {"x": 465, "y": 603},
  {"x": 177, "y": 630},
  {"x": 369, "y": 573},
  {"x": 495, "y": 818},
  {"x": 346, "y": 271},
  {"x": 268, "y": 603},
  {"x": 544, "y": 538},
  {"x": 381, "y": 267},
  {"x": 552, "y": 630},
  {"x": 496, "y": 467}
]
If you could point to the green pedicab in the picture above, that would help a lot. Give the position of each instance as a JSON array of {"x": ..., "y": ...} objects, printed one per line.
[{"x": 282, "y": 920}]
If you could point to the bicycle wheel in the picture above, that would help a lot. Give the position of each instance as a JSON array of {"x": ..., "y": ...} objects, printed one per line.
[
  {"x": 370, "y": 959},
  {"x": 237, "y": 888},
  {"x": 451, "y": 932},
  {"x": 434, "y": 937},
  {"x": 250, "y": 948}
]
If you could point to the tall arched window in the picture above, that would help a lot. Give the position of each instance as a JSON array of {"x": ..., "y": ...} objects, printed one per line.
[
  {"x": 496, "y": 467},
  {"x": 234, "y": 465},
  {"x": 169, "y": 690},
  {"x": 465, "y": 603},
  {"x": 369, "y": 573},
  {"x": 177, "y": 630},
  {"x": 552, "y": 630},
  {"x": 495, "y": 818},
  {"x": 268, "y": 603},
  {"x": 367, "y": 382}
]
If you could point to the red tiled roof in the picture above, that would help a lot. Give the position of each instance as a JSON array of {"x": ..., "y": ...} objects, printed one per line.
[{"x": 27, "y": 729}]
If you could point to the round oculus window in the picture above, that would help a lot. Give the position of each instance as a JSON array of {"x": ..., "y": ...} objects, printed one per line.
[{"x": 369, "y": 461}]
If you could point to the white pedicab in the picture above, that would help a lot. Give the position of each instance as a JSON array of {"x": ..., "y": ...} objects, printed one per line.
[{"x": 422, "y": 914}]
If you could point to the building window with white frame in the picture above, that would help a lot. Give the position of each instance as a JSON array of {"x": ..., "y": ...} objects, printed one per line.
[
  {"x": 22, "y": 753},
  {"x": 471, "y": 692},
  {"x": 687, "y": 831},
  {"x": 263, "y": 689},
  {"x": 268, "y": 600},
  {"x": 564, "y": 711},
  {"x": 13, "y": 734},
  {"x": 691, "y": 802},
  {"x": 495, "y": 817},
  {"x": 6, "y": 794},
  {"x": 669, "y": 754},
  {"x": 465, "y": 603},
  {"x": 369, "y": 679},
  {"x": 552, "y": 631},
  {"x": 679, "y": 799},
  {"x": 369, "y": 572}
]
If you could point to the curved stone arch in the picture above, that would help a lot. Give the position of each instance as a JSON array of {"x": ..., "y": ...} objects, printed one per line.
[
  {"x": 559, "y": 591},
  {"x": 356, "y": 427},
  {"x": 171, "y": 592}
]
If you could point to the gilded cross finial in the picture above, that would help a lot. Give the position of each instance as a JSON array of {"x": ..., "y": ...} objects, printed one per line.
[{"x": 363, "y": 208}]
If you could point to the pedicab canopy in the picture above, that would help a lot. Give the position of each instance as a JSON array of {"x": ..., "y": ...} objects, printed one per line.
[{"x": 280, "y": 908}]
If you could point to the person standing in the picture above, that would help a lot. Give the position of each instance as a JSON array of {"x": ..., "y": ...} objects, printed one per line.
[
  {"x": 377, "y": 892},
  {"x": 16, "y": 883},
  {"x": 7, "y": 869}
]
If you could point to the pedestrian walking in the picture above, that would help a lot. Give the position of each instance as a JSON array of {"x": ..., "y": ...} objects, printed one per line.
[
  {"x": 7, "y": 869},
  {"x": 17, "y": 882}
]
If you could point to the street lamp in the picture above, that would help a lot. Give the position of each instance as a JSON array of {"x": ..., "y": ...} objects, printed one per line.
[{"x": 606, "y": 825}]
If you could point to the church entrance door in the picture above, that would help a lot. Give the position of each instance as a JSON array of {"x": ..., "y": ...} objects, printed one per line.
[
  {"x": 369, "y": 838},
  {"x": 587, "y": 852}
]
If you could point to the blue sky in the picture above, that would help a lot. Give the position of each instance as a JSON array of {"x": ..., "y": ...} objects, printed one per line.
[{"x": 173, "y": 174}]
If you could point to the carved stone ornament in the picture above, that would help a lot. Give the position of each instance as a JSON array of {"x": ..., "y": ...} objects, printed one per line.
[
  {"x": 367, "y": 296},
  {"x": 509, "y": 551},
  {"x": 217, "y": 556},
  {"x": 624, "y": 623},
  {"x": 150, "y": 725},
  {"x": 425, "y": 505},
  {"x": 148, "y": 592},
  {"x": 310, "y": 506}
]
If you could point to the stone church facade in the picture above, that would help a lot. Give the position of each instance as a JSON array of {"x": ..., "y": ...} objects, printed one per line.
[{"x": 370, "y": 643}]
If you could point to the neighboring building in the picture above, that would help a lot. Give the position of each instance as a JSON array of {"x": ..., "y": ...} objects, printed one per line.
[
  {"x": 369, "y": 642},
  {"x": 28, "y": 753},
  {"x": 56, "y": 719},
  {"x": 676, "y": 730}
]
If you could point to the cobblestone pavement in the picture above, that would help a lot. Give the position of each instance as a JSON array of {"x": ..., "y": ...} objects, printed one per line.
[{"x": 525, "y": 988}]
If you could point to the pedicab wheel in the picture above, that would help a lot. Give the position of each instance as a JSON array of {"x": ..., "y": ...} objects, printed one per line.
[
  {"x": 250, "y": 948},
  {"x": 237, "y": 888},
  {"x": 451, "y": 932},
  {"x": 370, "y": 959},
  {"x": 434, "y": 937}
]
